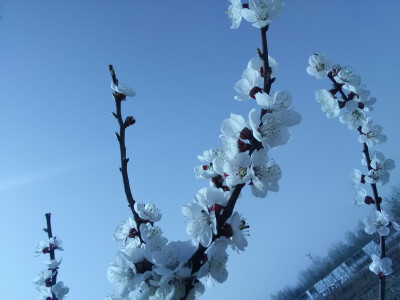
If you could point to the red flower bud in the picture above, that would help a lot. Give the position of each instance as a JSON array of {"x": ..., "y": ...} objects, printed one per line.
[
  {"x": 129, "y": 121},
  {"x": 368, "y": 200}
]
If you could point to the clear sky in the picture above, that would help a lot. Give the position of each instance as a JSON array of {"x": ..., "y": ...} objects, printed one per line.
[{"x": 58, "y": 152}]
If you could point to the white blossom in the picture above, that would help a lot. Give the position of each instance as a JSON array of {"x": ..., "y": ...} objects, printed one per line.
[
  {"x": 379, "y": 265},
  {"x": 123, "y": 88},
  {"x": 319, "y": 65},
  {"x": 354, "y": 117},
  {"x": 148, "y": 211},
  {"x": 329, "y": 105},
  {"x": 263, "y": 12},
  {"x": 250, "y": 79},
  {"x": 372, "y": 134},
  {"x": 202, "y": 224},
  {"x": 377, "y": 222},
  {"x": 265, "y": 174}
]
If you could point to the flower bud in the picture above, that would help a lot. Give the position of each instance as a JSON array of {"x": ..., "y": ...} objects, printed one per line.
[
  {"x": 129, "y": 121},
  {"x": 368, "y": 200}
]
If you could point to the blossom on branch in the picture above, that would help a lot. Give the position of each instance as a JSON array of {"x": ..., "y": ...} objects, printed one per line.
[
  {"x": 381, "y": 266},
  {"x": 319, "y": 66}
]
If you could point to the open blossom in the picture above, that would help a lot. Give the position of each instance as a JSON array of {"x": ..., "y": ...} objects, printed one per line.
[
  {"x": 263, "y": 12},
  {"x": 170, "y": 259},
  {"x": 377, "y": 222},
  {"x": 45, "y": 247},
  {"x": 236, "y": 12},
  {"x": 380, "y": 169},
  {"x": 257, "y": 64},
  {"x": 360, "y": 197},
  {"x": 148, "y": 211},
  {"x": 329, "y": 105},
  {"x": 372, "y": 134},
  {"x": 280, "y": 101},
  {"x": 249, "y": 84},
  {"x": 238, "y": 169},
  {"x": 239, "y": 232},
  {"x": 53, "y": 264},
  {"x": 233, "y": 126},
  {"x": 206, "y": 170},
  {"x": 202, "y": 223},
  {"x": 124, "y": 89},
  {"x": 60, "y": 290},
  {"x": 354, "y": 117},
  {"x": 356, "y": 178},
  {"x": 43, "y": 279},
  {"x": 127, "y": 272},
  {"x": 211, "y": 196},
  {"x": 274, "y": 130},
  {"x": 350, "y": 80},
  {"x": 125, "y": 230},
  {"x": 215, "y": 266},
  {"x": 319, "y": 65},
  {"x": 383, "y": 266},
  {"x": 265, "y": 174}
]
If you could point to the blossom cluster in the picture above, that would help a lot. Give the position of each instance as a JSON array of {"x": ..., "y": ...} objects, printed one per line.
[
  {"x": 160, "y": 269},
  {"x": 351, "y": 102},
  {"x": 258, "y": 12},
  {"x": 46, "y": 282}
]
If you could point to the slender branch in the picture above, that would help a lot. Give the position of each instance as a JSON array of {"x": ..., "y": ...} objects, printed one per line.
[
  {"x": 264, "y": 56},
  {"x": 124, "y": 160},
  {"x": 377, "y": 199},
  {"x": 51, "y": 252}
]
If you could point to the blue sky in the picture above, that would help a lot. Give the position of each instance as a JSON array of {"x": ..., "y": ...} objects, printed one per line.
[{"x": 59, "y": 153}]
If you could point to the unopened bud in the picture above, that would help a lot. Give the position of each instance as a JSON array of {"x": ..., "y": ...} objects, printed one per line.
[
  {"x": 129, "y": 121},
  {"x": 368, "y": 200}
]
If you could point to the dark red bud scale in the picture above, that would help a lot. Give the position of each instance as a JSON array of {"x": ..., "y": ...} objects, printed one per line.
[
  {"x": 351, "y": 95},
  {"x": 262, "y": 71},
  {"x": 133, "y": 233},
  {"x": 362, "y": 179},
  {"x": 246, "y": 133},
  {"x": 205, "y": 167},
  {"x": 341, "y": 104},
  {"x": 380, "y": 275},
  {"x": 242, "y": 146},
  {"x": 245, "y": 5},
  {"x": 119, "y": 96},
  {"x": 254, "y": 91},
  {"x": 216, "y": 208}
]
